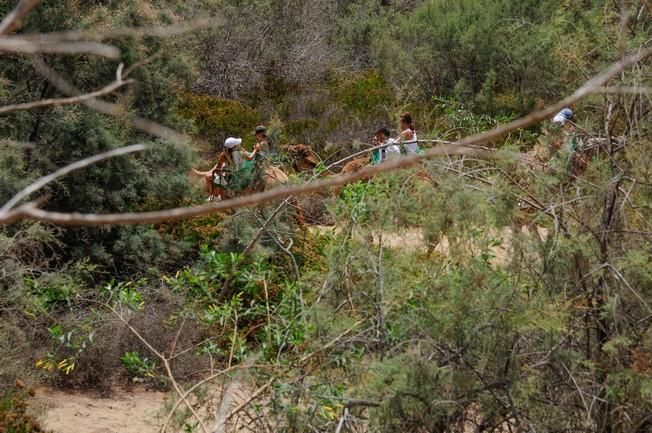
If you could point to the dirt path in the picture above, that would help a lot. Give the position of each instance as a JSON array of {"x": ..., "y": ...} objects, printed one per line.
[
  {"x": 413, "y": 239},
  {"x": 123, "y": 412}
]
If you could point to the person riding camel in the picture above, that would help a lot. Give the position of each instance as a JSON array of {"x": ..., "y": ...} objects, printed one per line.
[
  {"x": 390, "y": 149},
  {"x": 262, "y": 141},
  {"x": 230, "y": 163},
  {"x": 408, "y": 135}
]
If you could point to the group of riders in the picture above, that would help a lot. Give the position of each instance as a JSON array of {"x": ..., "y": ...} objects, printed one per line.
[{"x": 237, "y": 169}]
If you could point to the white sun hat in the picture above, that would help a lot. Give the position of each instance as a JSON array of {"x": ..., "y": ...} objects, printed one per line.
[{"x": 231, "y": 142}]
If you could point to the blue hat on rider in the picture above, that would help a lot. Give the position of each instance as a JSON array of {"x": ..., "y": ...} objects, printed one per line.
[{"x": 563, "y": 116}]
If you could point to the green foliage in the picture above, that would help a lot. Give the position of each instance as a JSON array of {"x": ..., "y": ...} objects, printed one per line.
[
  {"x": 138, "y": 366},
  {"x": 216, "y": 119},
  {"x": 484, "y": 53},
  {"x": 301, "y": 131},
  {"x": 366, "y": 96},
  {"x": 57, "y": 291},
  {"x": 63, "y": 134},
  {"x": 125, "y": 294},
  {"x": 429, "y": 307},
  {"x": 66, "y": 347},
  {"x": 206, "y": 281},
  {"x": 12, "y": 170}
]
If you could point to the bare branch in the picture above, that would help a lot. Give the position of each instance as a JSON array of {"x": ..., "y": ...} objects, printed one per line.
[
  {"x": 65, "y": 101},
  {"x": 251, "y": 398},
  {"x": 239, "y": 202},
  {"x": 166, "y": 364},
  {"x": 68, "y": 169},
  {"x": 110, "y": 33},
  {"x": 17, "y": 144},
  {"x": 17, "y": 44},
  {"x": 264, "y": 225},
  {"x": 14, "y": 20},
  {"x": 202, "y": 382}
]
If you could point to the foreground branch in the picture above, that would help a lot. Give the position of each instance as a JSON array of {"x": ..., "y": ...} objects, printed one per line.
[
  {"x": 134, "y": 32},
  {"x": 20, "y": 45},
  {"x": 65, "y": 101},
  {"x": 211, "y": 208},
  {"x": 109, "y": 108}
]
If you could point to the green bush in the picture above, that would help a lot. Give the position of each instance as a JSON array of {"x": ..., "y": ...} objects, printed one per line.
[
  {"x": 475, "y": 51},
  {"x": 216, "y": 119},
  {"x": 365, "y": 96},
  {"x": 139, "y": 367}
]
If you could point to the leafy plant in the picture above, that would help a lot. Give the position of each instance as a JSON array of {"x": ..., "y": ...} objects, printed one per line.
[
  {"x": 139, "y": 366},
  {"x": 68, "y": 346}
]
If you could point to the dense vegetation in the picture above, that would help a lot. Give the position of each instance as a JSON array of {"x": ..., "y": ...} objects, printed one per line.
[{"x": 428, "y": 307}]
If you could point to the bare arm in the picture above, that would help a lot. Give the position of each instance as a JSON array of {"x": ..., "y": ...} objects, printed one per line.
[
  {"x": 249, "y": 156},
  {"x": 406, "y": 135}
]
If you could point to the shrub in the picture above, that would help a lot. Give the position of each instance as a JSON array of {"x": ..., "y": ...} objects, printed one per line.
[
  {"x": 216, "y": 119},
  {"x": 14, "y": 416},
  {"x": 366, "y": 95}
]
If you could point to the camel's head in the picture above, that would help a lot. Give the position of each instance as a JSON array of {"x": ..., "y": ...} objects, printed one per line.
[{"x": 303, "y": 157}]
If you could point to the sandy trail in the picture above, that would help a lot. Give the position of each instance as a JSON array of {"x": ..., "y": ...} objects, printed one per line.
[
  {"x": 138, "y": 411},
  {"x": 414, "y": 239},
  {"x": 123, "y": 412}
]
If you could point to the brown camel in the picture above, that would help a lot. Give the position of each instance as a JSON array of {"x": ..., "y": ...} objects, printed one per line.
[
  {"x": 303, "y": 157},
  {"x": 355, "y": 165},
  {"x": 271, "y": 177}
]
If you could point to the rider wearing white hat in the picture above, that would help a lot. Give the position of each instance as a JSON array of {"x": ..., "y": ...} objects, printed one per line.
[
  {"x": 231, "y": 142},
  {"x": 236, "y": 154}
]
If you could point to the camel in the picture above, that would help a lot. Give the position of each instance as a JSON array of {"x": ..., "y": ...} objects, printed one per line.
[
  {"x": 272, "y": 177},
  {"x": 303, "y": 157},
  {"x": 355, "y": 165}
]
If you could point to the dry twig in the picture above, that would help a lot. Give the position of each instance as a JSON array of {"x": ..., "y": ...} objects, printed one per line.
[
  {"x": 166, "y": 364},
  {"x": 14, "y": 20},
  {"x": 65, "y": 101}
]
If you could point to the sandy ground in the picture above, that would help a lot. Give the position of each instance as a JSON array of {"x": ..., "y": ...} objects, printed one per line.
[
  {"x": 123, "y": 412},
  {"x": 137, "y": 411},
  {"x": 413, "y": 239}
]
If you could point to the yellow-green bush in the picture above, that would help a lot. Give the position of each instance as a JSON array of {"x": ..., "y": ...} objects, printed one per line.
[
  {"x": 217, "y": 118},
  {"x": 366, "y": 95}
]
